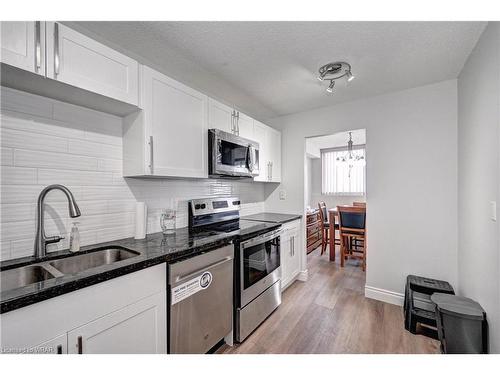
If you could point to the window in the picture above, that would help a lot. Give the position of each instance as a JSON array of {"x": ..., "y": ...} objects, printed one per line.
[{"x": 343, "y": 178}]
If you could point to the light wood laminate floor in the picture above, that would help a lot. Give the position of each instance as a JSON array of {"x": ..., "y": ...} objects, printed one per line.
[{"x": 329, "y": 314}]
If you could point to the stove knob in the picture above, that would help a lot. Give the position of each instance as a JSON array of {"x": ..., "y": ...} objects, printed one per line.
[
  {"x": 203, "y": 206},
  {"x": 197, "y": 206}
]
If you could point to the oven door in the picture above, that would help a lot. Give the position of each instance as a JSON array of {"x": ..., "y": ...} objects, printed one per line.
[
  {"x": 231, "y": 155},
  {"x": 259, "y": 265}
]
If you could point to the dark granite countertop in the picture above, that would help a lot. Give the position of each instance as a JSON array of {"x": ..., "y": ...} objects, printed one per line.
[
  {"x": 154, "y": 249},
  {"x": 271, "y": 217}
]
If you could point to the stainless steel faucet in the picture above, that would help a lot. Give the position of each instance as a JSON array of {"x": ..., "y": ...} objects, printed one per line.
[{"x": 42, "y": 240}]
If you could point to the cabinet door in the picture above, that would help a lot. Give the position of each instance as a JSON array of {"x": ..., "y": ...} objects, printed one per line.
[
  {"x": 284, "y": 256},
  {"x": 260, "y": 135},
  {"x": 293, "y": 263},
  {"x": 176, "y": 119},
  {"x": 74, "y": 59},
  {"x": 245, "y": 126},
  {"x": 23, "y": 45},
  {"x": 274, "y": 139},
  {"x": 57, "y": 345},
  {"x": 136, "y": 329},
  {"x": 220, "y": 116}
]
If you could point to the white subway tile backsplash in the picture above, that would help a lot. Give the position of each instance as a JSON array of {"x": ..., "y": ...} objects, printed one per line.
[
  {"x": 54, "y": 160},
  {"x": 18, "y": 176},
  {"x": 110, "y": 165},
  {"x": 74, "y": 177},
  {"x": 40, "y": 125},
  {"x": 7, "y": 155},
  {"x": 100, "y": 150},
  {"x": 46, "y": 142},
  {"x": 21, "y": 139}
]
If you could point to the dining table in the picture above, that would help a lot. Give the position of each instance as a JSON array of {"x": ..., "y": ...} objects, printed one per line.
[{"x": 332, "y": 219}]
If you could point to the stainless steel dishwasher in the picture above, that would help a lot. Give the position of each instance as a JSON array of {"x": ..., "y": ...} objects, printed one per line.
[{"x": 201, "y": 301}]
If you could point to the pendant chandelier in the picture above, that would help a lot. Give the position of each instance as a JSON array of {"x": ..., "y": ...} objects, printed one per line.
[{"x": 350, "y": 157}]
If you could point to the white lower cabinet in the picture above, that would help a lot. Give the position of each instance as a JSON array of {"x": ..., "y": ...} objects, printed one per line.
[
  {"x": 127, "y": 314},
  {"x": 291, "y": 248},
  {"x": 57, "y": 345},
  {"x": 131, "y": 330}
]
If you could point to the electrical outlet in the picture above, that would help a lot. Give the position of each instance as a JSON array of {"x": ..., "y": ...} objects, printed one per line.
[
  {"x": 282, "y": 195},
  {"x": 493, "y": 208}
]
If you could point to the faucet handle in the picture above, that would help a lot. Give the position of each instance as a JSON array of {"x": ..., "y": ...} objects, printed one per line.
[{"x": 54, "y": 239}]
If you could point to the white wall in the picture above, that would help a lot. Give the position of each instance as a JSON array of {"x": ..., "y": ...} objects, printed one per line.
[
  {"x": 411, "y": 151},
  {"x": 45, "y": 141},
  {"x": 478, "y": 177}
]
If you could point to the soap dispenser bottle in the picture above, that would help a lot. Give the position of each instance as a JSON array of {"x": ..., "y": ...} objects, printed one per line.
[{"x": 74, "y": 239}]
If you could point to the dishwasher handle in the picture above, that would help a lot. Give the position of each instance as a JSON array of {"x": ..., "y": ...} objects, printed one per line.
[{"x": 182, "y": 278}]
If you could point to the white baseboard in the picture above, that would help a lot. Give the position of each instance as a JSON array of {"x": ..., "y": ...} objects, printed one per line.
[
  {"x": 303, "y": 275},
  {"x": 384, "y": 295}
]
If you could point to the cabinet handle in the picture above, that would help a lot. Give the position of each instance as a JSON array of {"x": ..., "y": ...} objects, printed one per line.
[
  {"x": 59, "y": 349},
  {"x": 56, "y": 48},
  {"x": 79, "y": 344},
  {"x": 271, "y": 171},
  {"x": 237, "y": 123},
  {"x": 293, "y": 246},
  {"x": 151, "y": 156},
  {"x": 38, "y": 48}
]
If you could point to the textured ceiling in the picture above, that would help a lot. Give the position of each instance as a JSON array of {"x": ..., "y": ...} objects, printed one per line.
[{"x": 274, "y": 64}]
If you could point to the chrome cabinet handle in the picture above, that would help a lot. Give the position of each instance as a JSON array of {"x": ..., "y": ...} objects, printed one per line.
[
  {"x": 38, "y": 47},
  {"x": 151, "y": 160},
  {"x": 79, "y": 344},
  {"x": 237, "y": 123},
  {"x": 56, "y": 49},
  {"x": 271, "y": 170}
]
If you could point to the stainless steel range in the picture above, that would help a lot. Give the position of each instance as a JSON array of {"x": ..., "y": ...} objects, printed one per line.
[{"x": 257, "y": 271}]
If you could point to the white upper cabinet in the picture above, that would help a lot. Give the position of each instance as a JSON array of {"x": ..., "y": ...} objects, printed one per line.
[
  {"x": 244, "y": 126},
  {"x": 260, "y": 135},
  {"x": 169, "y": 138},
  {"x": 269, "y": 152},
  {"x": 23, "y": 45},
  {"x": 274, "y": 147},
  {"x": 74, "y": 59},
  {"x": 220, "y": 116}
]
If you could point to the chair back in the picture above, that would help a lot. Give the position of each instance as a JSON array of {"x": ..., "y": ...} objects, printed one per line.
[
  {"x": 352, "y": 218},
  {"x": 323, "y": 212},
  {"x": 359, "y": 204}
]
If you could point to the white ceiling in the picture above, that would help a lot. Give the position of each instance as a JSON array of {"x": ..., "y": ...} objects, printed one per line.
[
  {"x": 274, "y": 64},
  {"x": 337, "y": 140}
]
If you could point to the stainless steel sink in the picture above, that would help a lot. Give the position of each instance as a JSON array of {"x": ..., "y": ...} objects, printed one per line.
[
  {"x": 22, "y": 276},
  {"x": 79, "y": 263}
]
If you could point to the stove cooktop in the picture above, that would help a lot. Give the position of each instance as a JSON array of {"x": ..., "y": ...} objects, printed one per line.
[{"x": 243, "y": 228}]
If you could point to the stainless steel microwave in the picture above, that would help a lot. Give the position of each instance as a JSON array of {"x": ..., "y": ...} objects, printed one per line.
[{"x": 230, "y": 155}]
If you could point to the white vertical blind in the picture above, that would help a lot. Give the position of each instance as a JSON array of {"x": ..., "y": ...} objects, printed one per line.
[{"x": 336, "y": 179}]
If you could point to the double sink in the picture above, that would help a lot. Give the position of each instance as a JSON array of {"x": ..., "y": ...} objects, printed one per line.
[{"x": 34, "y": 273}]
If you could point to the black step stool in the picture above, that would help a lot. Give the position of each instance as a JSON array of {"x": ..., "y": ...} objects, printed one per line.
[{"x": 418, "y": 307}]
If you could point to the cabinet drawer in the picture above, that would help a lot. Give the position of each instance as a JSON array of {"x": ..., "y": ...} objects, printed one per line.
[
  {"x": 312, "y": 218},
  {"x": 313, "y": 228},
  {"x": 313, "y": 238}
]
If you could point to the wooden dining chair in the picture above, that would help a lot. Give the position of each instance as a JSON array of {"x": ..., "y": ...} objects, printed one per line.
[
  {"x": 325, "y": 226},
  {"x": 352, "y": 228}
]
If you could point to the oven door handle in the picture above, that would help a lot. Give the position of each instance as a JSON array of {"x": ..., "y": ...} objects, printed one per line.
[{"x": 261, "y": 239}]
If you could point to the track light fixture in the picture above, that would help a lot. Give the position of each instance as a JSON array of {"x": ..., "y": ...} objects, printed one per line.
[
  {"x": 330, "y": 86},
  {"x": 334, "y": 71}
]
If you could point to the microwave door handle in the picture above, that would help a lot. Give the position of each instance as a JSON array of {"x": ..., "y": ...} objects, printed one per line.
[{"x": 251, "y": 158}]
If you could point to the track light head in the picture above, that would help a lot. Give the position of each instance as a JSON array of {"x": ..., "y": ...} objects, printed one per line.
[
  {"x": 349, "y": 76},
  {"x": 330, "y": 86}
]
